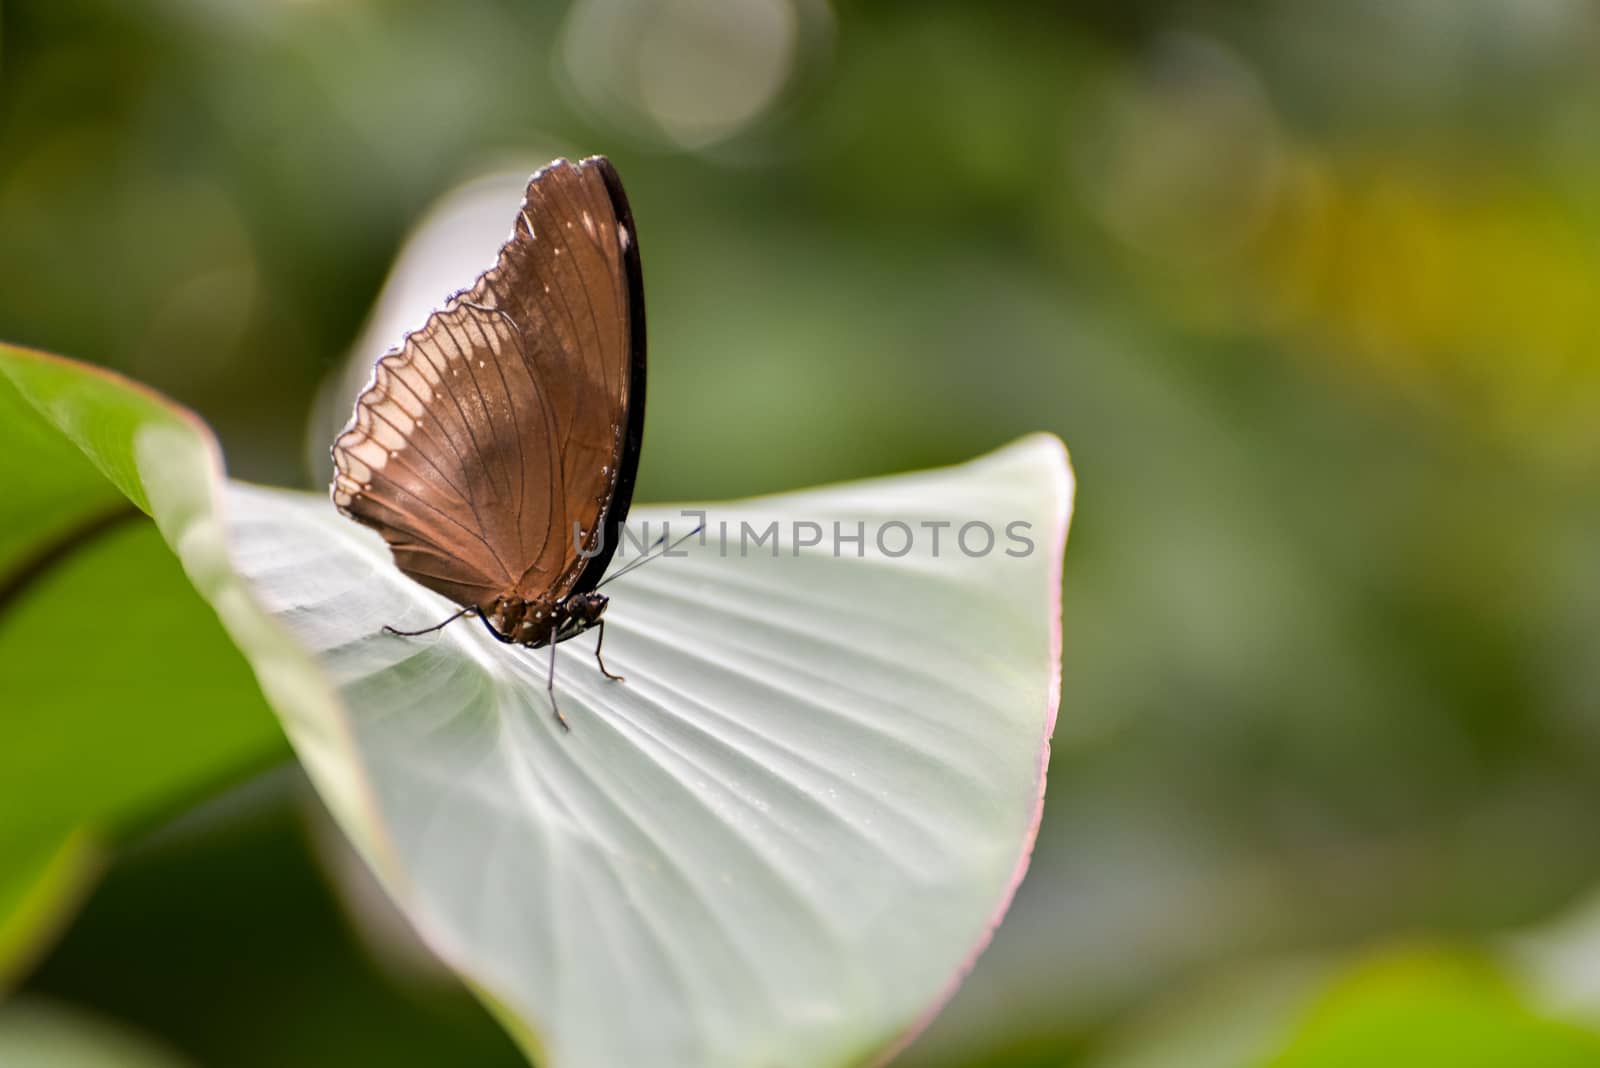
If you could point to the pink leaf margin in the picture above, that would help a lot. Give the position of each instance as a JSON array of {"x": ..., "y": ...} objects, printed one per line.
[{"x": 1065, "y": 488}]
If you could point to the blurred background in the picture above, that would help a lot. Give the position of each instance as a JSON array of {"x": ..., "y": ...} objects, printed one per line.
[{"x": 1312, "y": 292}]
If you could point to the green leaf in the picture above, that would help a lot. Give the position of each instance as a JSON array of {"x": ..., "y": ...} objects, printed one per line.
[
  {"x": 40, "y": 887},
  {"x": 781, "y": 841},
  {"x": 1416, "y": 1007},
  {"x": 1433, "y": 1010},
  {"x": 40, "y": 1034},
  {"x": 123, "y": 693}
]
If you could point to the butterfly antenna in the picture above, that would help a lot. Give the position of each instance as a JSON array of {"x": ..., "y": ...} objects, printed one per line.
[{"x": 652, "y": 554}]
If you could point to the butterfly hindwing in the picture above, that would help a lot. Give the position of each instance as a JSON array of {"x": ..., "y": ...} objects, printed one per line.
[{"x": 512, "y": 415}]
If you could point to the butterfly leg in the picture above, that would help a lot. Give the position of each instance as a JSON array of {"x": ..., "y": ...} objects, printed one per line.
[
  {"x": 429, "y": 630},
  {"x": 598, "y": 642},
  {"x": 550, "y": 683}
]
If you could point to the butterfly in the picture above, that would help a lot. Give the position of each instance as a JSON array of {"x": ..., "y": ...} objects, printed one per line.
[{"x": 496, "y": 448}]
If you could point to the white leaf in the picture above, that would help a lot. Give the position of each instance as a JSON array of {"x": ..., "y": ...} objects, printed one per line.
[{"x": 780, "y": 842}]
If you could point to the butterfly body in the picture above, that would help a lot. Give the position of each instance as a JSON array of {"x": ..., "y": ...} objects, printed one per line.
[
  {"x": 543, "y": 622},
  {"x": 495, "y": 448}
]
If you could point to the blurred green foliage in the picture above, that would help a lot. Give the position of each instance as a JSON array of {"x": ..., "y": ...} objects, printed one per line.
[
  {"x": 164, "y": 710},
  {"x": 1432, "y": 1011},
  {"x": 1312, "y": 291},
  {"x": 44, "y": 1035},
  {"x": 219, "y": 932}
]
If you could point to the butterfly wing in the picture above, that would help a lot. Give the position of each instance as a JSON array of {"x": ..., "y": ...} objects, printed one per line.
[{"x": 513, "y": 417}]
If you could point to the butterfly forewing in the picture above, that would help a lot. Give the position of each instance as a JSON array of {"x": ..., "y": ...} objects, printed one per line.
[{"x": 511, "y": 418}]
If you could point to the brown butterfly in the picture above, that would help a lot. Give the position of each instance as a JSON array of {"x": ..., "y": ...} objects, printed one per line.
[{"x": 495, "y": 450}]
